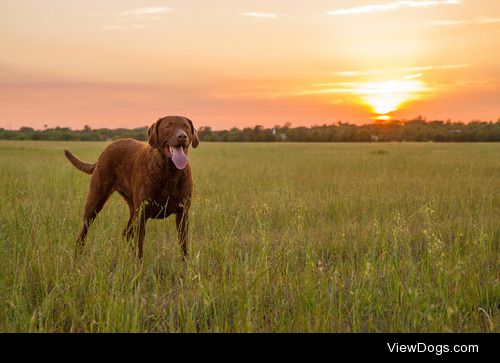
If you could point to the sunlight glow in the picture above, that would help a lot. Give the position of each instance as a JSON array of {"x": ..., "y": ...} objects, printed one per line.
[{"x": 388, "y": 96}]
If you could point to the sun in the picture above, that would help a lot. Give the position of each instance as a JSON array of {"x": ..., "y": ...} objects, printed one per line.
[{"x": 388, "y": 96}]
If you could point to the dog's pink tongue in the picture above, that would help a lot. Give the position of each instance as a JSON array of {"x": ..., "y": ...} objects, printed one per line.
[{"x": 179, "y": 158}]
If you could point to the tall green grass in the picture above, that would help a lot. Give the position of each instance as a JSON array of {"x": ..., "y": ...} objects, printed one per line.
[{"x": 284, "y": 237}]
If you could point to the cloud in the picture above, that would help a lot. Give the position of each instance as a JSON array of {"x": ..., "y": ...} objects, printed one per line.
[
  {"x": 260, "y": 15},
  {"x": 398, "y": 70},
  {"x": 396, "y": 5},
  {"x": 390, "y": 86},
  {"x": 146, "y": 12},
  {"x": 413, "y": 76},
  {"x": 329, "y": 88},
  {"x": 139, "y": 18},
  {"x": 464, "y": 22}
]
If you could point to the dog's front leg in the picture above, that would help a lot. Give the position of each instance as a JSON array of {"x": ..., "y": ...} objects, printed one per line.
[
  {"x": 141, "y": 229},
  {"x": 182, "y": 222}
]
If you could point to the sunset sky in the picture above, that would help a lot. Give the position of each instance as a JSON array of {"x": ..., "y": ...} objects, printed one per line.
[{"x": 224, "y": 63}]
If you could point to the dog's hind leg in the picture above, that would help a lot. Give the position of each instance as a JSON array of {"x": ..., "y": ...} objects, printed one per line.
[{"x": 98, "y": 195}]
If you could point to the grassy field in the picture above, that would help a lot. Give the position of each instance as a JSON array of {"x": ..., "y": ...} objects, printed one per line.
[{"x": 284, "y": 237}]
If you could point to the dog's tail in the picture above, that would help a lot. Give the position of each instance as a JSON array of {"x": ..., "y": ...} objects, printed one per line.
[{"x": 80, "y": 165}]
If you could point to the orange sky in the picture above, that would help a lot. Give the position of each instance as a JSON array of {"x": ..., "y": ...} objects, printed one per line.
[{"x": 125, "y": 63}]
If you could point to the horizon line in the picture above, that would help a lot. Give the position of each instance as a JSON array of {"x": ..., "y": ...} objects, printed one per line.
[{"x": 374, "y": 122}]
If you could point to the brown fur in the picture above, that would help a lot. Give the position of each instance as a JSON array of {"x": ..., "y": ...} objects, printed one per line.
[{"x": 145, "y": 177}]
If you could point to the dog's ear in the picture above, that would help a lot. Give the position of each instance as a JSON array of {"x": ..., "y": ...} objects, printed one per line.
[
  {"x": 153, "y": 134},
  {"x": 195, "y": 140}
]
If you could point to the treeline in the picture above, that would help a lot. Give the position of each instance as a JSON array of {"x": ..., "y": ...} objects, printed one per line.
[
  {"x": 413, "y": 130},
  {"x": 67, "y": 134}
]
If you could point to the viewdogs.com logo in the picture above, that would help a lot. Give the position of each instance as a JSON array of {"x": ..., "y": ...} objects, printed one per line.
[{"x": 437, "y": 349}]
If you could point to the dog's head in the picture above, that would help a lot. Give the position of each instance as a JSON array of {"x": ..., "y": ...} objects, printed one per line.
[{"x": 172, "y": 135}]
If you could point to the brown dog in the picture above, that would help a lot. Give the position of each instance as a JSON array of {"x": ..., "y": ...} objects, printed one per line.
[{"x": 155, "y": 180}]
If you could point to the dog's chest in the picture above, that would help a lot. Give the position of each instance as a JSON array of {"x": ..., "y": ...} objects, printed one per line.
[{"x": 168, "y": 198}]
